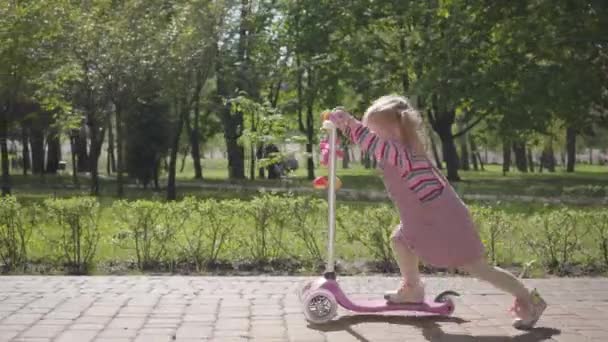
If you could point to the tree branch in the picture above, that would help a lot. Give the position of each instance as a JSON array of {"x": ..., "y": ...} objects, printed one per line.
[{"x": 470, "y": 126}]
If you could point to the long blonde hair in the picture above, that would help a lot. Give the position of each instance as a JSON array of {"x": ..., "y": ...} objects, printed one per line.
[{"x": 409, "y": 119}]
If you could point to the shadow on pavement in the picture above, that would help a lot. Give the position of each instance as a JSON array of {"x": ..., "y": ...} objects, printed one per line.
[{"x": 430, "y": 328}]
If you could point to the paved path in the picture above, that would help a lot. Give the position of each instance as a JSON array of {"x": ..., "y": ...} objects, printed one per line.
[{"x": 105, "y": 309}]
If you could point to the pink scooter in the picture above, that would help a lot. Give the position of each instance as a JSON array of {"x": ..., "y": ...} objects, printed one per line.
[{"x": 322, "y": 296}]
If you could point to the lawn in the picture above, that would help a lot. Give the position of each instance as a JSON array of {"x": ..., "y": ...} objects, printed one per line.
[{"x": 587, "y": 181}]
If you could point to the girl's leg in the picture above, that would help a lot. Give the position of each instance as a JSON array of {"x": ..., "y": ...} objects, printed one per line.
[
  {"x": 498, "y": 277},
  {"x": 411, "y": 289},
  {"x": 407, "y": 261},
  {"x": 528, "y": 307}
]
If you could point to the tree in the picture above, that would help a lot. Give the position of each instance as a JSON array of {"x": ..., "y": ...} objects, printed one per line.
[
  {"x": 29, "y": 67},
  {"x": 148, "y": 139},
  {"x": 310, "y": 28}
]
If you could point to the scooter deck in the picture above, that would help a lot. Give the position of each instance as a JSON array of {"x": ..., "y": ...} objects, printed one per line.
[{"x": 381, "y": 305}]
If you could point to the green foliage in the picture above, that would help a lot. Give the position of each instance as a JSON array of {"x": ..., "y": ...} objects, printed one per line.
[
  {"x": 148, "y": 228},
  {"x": 282, "y": 231},
  {"x": 16, "y": 227},
  {"x": 209, "y": 231},
  {"x": 148, "y": 139},
  {"x": 497, "y": 229},
  {"x": 558, "y": 239},
  {"x": 372, "y": 229},
  {"x": 308, "y": 224},
  {"x": 72, "y": 229},
  {"x": 599, "y": 232},
  {"x": 268, "y": 217}
]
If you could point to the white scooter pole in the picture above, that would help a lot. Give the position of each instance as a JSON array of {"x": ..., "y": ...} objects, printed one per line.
[{"x": 331, "y": 199}]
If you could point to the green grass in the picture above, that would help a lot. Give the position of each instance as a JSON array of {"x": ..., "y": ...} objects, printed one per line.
[
  {"x": 490, "y": 181},
  {"x": 587, "y": 181}
]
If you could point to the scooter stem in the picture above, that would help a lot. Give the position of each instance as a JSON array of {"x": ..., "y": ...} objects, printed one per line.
[{"x": 331, "y": 199}]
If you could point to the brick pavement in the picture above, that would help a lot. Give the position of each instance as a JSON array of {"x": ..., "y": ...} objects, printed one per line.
[{"x": 116, "y": 309}]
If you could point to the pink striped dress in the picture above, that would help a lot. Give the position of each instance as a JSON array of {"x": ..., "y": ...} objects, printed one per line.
[{"x": 435, "y": 223}]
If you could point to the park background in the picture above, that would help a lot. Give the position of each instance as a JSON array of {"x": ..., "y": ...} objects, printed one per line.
[{"x": 181, "y": 136}]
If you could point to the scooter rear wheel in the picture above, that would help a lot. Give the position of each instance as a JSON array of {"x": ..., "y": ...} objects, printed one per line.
[
  {"x": 447, "y": 297},
  {"x": 320, "y": 306}
]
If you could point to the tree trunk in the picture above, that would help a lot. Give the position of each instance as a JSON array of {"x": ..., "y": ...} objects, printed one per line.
[
  {"x": 111, "y": 168},
  {"x": 309, "y": 125},
  {"x": 590, "y": 156},
  {"x": 232, "y": 124},
  {"x": 171, "y": 191},
  {"x": 81, "y": 150},
  {"x": 6, "y": 181},
  {"x": 93, "y": 165},
  {"x": 474, "y": 153},
  {"x": 438, "y": 161},
  {"x": 119, "y": 151},
  {"x": 74, "y": 166},
  {"x": 506, "y": 157},
  {"x": 53, "y": 155},
  {"x": 25, "y": 143},
  {"x": 37, "y": 141},
  {"x": 442, "y": 124},
  {"x": 570, "y": 149},
  {"x": 548, "y": 158},
  {"x": 252, "y": 150},
  {"x": 366, "y": 160},
  {"x": 464, "y": 150},
  {"x": 481, "y": 166},
  {"x": 346, "y": 158},
  {"x": 260, "y": 155},
  {"x": 185, "y": 153},
  {"x": 97, "y": 137},
  {"x": 521, "y": 160},
  {"x": 236, "y": 153},
  {"x": 530, "y": 160},
  {"x": 195, "y": 132},
  {"x": 309, "y": 145},
  {"x": 156, "y": 174}
]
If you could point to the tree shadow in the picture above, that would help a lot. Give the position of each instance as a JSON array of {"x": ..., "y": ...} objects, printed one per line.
[{"x": 430, "y": 328}]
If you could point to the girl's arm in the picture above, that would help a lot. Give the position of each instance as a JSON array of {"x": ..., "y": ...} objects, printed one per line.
[{"x": 390, "y": 152}]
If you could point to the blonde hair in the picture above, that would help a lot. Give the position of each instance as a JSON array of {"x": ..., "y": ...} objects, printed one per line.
[{"x": 399, "y": 108}]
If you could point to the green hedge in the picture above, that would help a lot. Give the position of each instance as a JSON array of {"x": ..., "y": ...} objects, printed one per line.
[{"x": 271, "y": 232}]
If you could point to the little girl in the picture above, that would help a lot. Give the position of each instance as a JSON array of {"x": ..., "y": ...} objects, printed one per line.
[{"x": 436, "y": 226}]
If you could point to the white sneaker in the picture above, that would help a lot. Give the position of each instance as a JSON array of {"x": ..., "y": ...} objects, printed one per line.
[
  {"x": 527, "y": 316},
  {"x": 407, "y": 293}
]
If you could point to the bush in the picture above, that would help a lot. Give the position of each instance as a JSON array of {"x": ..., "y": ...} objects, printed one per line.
[
  {"x": 208, "y": 229},
  {"x": 269, "y": 217},
  {"x": 16, "y": 224},
  {"x": 372, "y": 228},
  {"x": 148, "y": 228},
  {"x": 283, "y": 232},
  {"x": 597, "y": 222},
  {"x": 497, "y": 229},
  {"x": 309, "y": 225},
  {"x": 557, "y": 238},
  {"x": 74, "y": 230}
]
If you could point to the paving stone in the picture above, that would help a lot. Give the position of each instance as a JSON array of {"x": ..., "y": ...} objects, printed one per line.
[{"x": 188, "y": 309}]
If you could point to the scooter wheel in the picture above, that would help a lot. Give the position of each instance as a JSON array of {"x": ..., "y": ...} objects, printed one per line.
[
  {"x": 320, "y": 306},
  {"x": 447, "y": 298}
]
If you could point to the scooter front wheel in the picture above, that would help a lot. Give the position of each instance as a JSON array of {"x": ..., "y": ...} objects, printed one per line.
[{"x": 320, "y": 306}]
